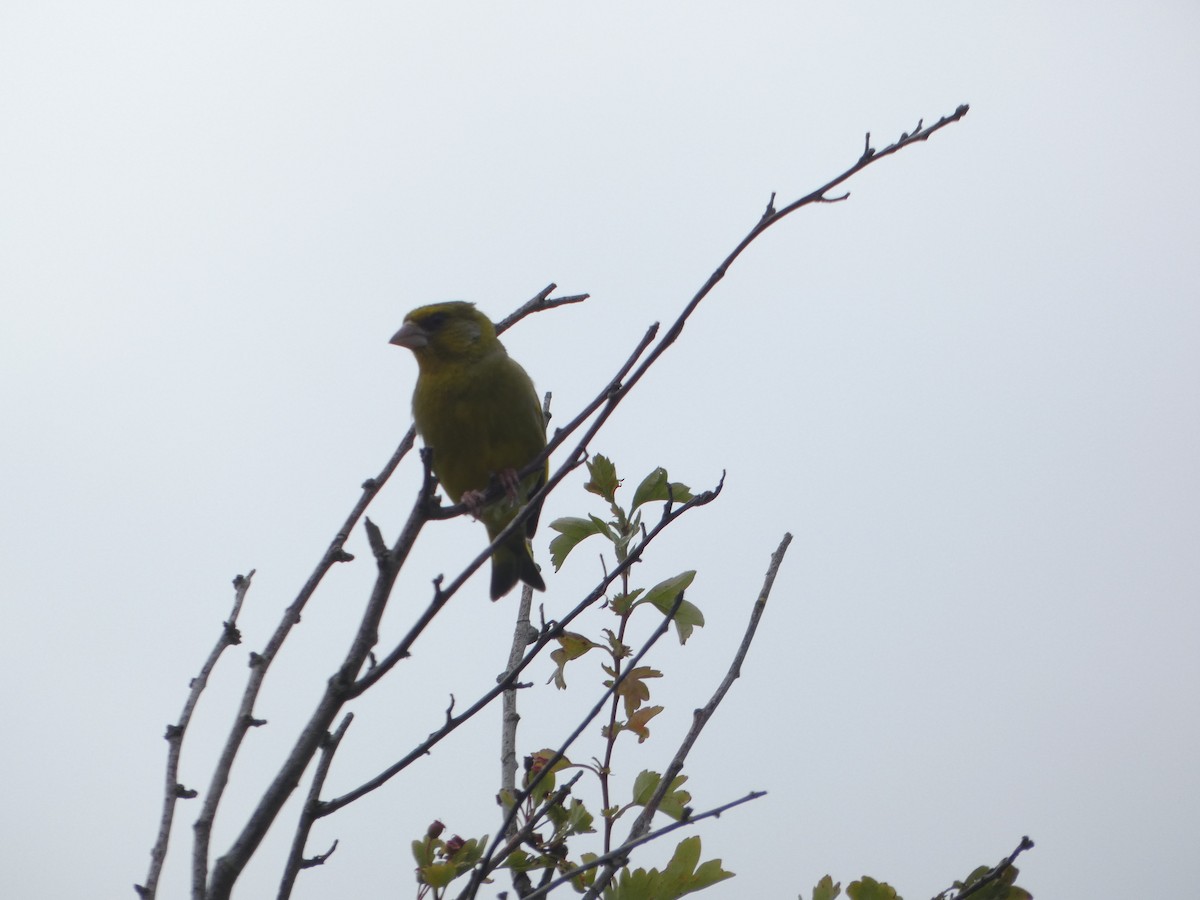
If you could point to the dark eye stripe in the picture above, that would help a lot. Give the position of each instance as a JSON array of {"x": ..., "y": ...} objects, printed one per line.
[{"x": 434, "y": 321}]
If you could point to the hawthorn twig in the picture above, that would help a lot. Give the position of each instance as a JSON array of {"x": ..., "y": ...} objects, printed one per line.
[
  {"x": 173, "y": 790},
  {"x": 337, "y": 692},
  {"x": 992, "y": 874},
  {"x": 700, "y": 718},
  {"x": 259, "y": 663},
  {"x": 619, "y": 853},
  {"x": 296, "y": 861},
  {"x": 524, "y": 634},
  {"x": 544, "y": 638},
  {"x": 489, "y": 861},
  {"x": 343, "y": 685},
  {"x": 540, "y": 302}
]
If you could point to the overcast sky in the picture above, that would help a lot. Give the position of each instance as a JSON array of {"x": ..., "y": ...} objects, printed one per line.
[{"x": 970, "y": 392}]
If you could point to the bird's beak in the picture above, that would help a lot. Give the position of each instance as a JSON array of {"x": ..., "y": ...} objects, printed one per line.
[{"x": 410, "y": 335}]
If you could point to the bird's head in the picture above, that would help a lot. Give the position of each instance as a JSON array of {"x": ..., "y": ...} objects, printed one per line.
[{"x": 446, "y": 333}]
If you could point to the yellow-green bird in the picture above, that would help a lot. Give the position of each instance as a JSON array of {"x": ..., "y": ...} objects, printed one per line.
[{"x": 478, "y": 411}]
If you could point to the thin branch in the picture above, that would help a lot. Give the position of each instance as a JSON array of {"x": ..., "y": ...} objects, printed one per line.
[
  {"x": 259, "y": 663},
  {"x": 343, "y": 685},
  {"x": 524, "y": 634},
  {"x": 173, "y": 790},
  {"x": 620, "y": 388},
  {"x": 546, "y": 636},
  {"x": 622, "y": 852},
  {"x": 991, "y": 875},
  {"x": 337, "y": 691},
  {"x": 540, "y": 302},
  {"x": 296, "y": 861},
  {"x": 700, "y": 718},
  {"x": 489, "y": 861}
]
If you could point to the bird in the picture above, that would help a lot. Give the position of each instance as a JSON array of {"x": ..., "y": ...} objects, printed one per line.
[{"x": 477, "y": 410}]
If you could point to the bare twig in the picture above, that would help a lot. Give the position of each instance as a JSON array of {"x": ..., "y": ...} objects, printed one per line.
[
  {"x": 524, "y": 634},
  {"x": 619, "y": 388},
  {"x": 173, "y": 790},
  {"x": 259, "y": 663},
  {"x": 540, "y": 302},
  {"x": 296, "y": 861},
  {"x": 700, "y": 718}
]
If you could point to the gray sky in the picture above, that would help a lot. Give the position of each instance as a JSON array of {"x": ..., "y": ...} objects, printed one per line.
[{"x": 970, "y": 392}]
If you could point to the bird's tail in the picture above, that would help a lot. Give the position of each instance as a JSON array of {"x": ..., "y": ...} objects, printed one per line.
[{"x": 513, "y": 562}]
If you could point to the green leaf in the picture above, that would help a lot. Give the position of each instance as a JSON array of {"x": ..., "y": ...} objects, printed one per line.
[
  {"x": 437, "y": 875},
  {"x": 423, "y": 851},
  {"x": 662, "y": 597},
  {"x": 680, "y": 877},
  {"x": 584, "y": 880},
  {"x": 675, "y": 801},
  {"x": 868, "y": 888},
  {"x": 656, "y": 486},
  {"x": 826, "y": 889},
  {"x": 570, "y": 646},
  {"x": 1003, "y": 888},
  {"x": 571, "y": 820},
  {"x": 687, "y": 617},
  {"x": 643, "y": 787},
  {"x": 571, "y": 531},
  {"x": 603, "y": 480},
  {"x": 622, "y": 603},
  {"x": 708, "y": 873}
]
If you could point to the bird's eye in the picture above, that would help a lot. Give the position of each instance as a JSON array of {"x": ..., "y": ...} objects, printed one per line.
[{"x": 433, "y": 321}]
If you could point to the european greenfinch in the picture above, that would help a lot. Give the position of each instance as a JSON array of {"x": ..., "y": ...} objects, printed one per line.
[{"x": 478, "y": 412}]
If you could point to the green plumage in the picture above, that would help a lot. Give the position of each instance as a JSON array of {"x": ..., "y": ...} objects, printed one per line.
[{"x": 478, "y": 411}]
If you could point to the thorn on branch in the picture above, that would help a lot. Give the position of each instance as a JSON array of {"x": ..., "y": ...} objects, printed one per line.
[
  {"x": 824, "y": 199},
  {"x": 340, "y": 555},
  {"x": 318, "y": 860},
  {"x": 375, "y": 539},
  {"x": 868, "y": 150},
  {"x": 252, "y": 722},
  {"x": 770, "y": 210}
]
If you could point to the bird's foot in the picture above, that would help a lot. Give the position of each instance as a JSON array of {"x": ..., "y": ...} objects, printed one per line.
[
  {"x": 473, "y": 501},
  {"x": 511, "y": 484}
]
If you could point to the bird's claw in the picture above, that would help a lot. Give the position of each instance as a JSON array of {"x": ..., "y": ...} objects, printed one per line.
[
  {"x": 473, "y": 501},
  {"x": 511, "y": 484}
]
